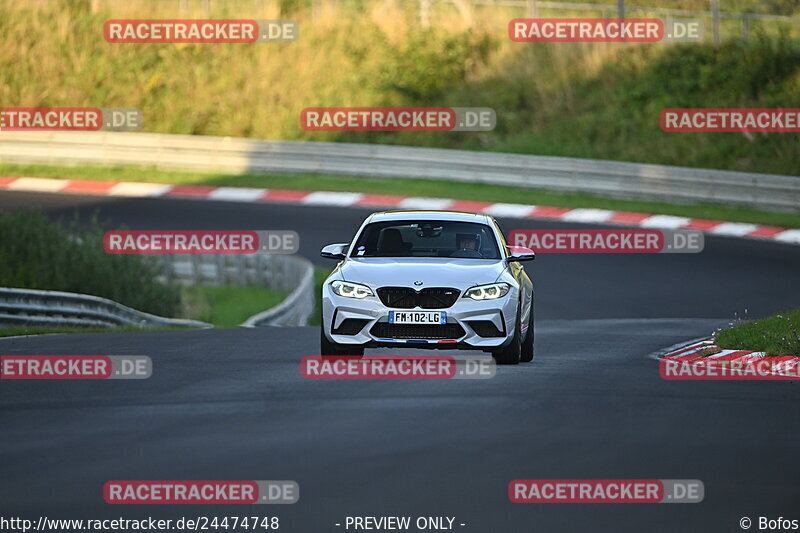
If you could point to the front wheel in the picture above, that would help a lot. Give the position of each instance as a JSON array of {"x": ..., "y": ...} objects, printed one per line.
[
  {"x": 527, "y": 344},
  {"x": 511, "y": 354},
  {"x": 333, "y": 349}
]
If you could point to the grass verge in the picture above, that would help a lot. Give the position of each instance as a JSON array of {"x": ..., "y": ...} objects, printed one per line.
[
  {"x": 227, "y": 307},
  {"x": 403, "y": 187},
  {"x": 776, "y": 335}
]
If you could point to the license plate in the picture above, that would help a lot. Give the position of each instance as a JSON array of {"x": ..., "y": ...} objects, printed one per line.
[{"x": 417, "y": 317}]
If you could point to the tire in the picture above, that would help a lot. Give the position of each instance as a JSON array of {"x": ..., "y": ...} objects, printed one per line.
[
  {"x": 527, "y": 344},
  {"x": 333, "y": 349},
  {"x": 511, "y": 354}
]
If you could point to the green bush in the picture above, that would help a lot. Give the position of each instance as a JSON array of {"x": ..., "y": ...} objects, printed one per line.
[
  {"x": 614, "y": 112},
  {"x": 38, "y": 254},
  {"x": 425, "y": 66}
]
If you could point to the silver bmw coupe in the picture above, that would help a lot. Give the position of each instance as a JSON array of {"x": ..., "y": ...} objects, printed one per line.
[{"x": 428, "y": 279}]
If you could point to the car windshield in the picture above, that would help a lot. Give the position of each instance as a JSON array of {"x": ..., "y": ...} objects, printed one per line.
[{"x": 427, "y": 238}]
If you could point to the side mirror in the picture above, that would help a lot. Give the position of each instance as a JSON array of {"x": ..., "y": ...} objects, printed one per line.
[
  {"x": 520, "y": 254},
  {"x": 334, "y": 251}
]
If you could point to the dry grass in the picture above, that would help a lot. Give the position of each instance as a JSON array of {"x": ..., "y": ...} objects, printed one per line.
[
  {"x": 54, "y": 54},
  {"x": 567, "y": 99}
]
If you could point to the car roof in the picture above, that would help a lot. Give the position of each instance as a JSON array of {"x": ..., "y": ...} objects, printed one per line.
[{"x": 456, "y": 216}]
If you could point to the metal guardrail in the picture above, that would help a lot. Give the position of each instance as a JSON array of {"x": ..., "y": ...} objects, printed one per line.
[
  {"x": 562, "y": 174},
  {"x": 55, "y": 308},
  {"x": 296, "y": 309},
  {"x": 278, "y": 272},
  {"x": 295, "y": 274}
]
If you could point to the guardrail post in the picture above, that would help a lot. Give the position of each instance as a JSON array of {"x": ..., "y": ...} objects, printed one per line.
[
  {"x": 219, "y": 264},
  {"x": 241, "y": 269},
  {"x": 715, "y": 19},
  {"x": 745, "y": 27},
  {"x": 195, "y": 262},
  {"x": 167, "y": 266},
  {"x": 275, "y": 276},
  {"x": 263, "y": 270},
  {"x": 425, "y": 13},
  {"x": 621, "y": 9},
  {"x": 258, "y": 270},
  {"x": 533, "y": 11},
  {"x": 286, "y": 275}
]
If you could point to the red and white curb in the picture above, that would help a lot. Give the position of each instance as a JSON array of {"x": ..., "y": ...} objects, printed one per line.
[
  {"x": 698, "y": 352},
  {"x": 353, "y": 199}
]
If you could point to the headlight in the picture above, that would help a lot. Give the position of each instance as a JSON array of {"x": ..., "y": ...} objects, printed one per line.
[
  {"x": 488, "y": 292},
  {"x": 351, "y": 290}
]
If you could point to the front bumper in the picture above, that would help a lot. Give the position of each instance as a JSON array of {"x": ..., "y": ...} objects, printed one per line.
[{"x": 460, "y": 333}]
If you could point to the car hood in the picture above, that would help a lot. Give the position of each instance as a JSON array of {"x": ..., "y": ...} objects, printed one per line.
[{"x": 431, "y": 271}]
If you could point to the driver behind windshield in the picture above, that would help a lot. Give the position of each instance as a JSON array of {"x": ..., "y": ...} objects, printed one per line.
[{"x": 467, "y": 245}]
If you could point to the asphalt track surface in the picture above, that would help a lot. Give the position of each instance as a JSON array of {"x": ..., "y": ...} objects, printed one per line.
[{"x": 230, "y": 404}]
